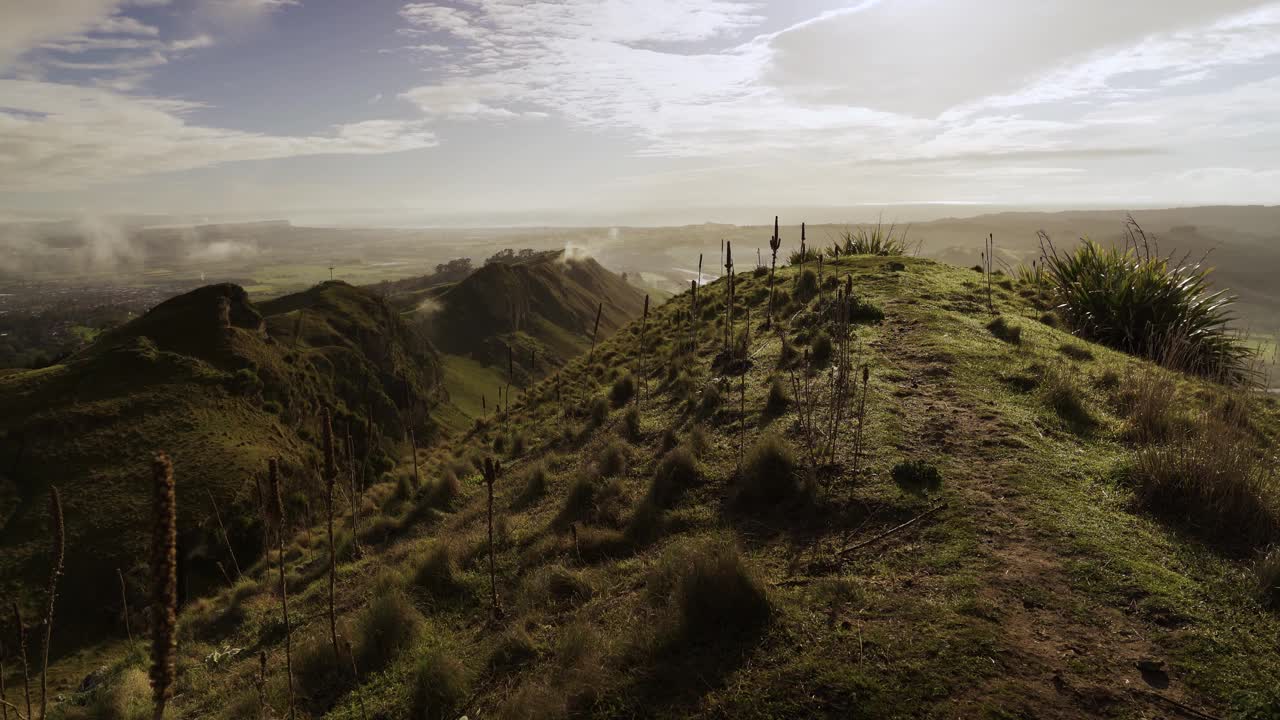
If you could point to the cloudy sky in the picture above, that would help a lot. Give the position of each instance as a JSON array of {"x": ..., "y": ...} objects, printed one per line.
[{"x": 277, "y": 107}]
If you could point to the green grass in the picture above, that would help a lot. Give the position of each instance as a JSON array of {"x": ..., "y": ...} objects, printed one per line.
[{"x": 1038, "y": 566}]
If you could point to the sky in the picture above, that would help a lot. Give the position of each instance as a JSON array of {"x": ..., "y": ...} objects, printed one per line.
[{"x": 391, "y": 109}]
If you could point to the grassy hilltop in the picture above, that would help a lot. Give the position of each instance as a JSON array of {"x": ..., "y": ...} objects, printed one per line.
[{"x": 1006, "y": 521}]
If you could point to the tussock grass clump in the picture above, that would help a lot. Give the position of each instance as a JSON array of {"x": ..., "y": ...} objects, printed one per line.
[
  {"x": 698, "y": 441},
  {"x": 778, "y": 400},
  {"x": 1076, "y": 352},
  {"x": 385, "y": 629},
  {"x": 1214, "y": 482},
  {"x": 535, "y": 485},
  {"x": 770, "y": 475},
  {"x": 437, "y": 574},
  {"x": 441, "y": 492},
  {"x": 128, "y": 697},
  {"x": 631, "y": 424},
  {"x": 320, "y": 676},
  {"x": 668, "y": 441},
  {"x": 1149, "y": 401},
  {"x": 820, "y": 350},
  {"x": 599, "y": 412},
  {"x": 1005, "y": 330},
  {"x": 440, "y": 686},
  {"x": 717, "y": 597},
  {"x": 1266, "y": 571},
  {"x": 1149, "y": 306},
  {"x": 513, "y": 649},
  {"x": 553, "y": 586},
  {"x": 1066, "y": 399},
  {"x": 676, "y": 472},
  {"x": 806, "y": 286},
  {"x": 612, "y": 460},
  {"x": 711, "y": 400},
  {"x": 591, "y": 499},
  {"x": 624, "y": 388}
]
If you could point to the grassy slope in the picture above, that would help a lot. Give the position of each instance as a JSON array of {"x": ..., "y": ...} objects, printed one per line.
[
  {"x": 543, "y": 305},
  {"x": 1033, "y": 594},
  {"x": 171, "y": 380}
]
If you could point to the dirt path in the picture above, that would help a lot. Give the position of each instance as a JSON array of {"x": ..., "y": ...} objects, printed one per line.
[{"x": 1063, "y": 655}]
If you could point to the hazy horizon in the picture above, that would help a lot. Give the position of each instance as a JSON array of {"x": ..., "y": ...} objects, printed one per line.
[{"x": 388, "y": 112}]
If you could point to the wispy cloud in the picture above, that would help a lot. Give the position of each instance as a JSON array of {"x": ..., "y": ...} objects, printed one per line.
[{"x": 60, "y": 136}]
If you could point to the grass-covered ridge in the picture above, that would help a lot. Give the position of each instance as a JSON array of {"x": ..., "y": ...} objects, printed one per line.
[{"x": 973, "y": 540}]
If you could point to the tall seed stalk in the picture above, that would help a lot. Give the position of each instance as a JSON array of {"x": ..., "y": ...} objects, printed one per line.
[
  {"x": 51, "y": 591},
  {"x": 22, "y": 656},
  {"x": 595, "y": 332},
  {"x": 775, "y": 242},
  {"x": 4, "y": 695},
  {"x": 330, "y": 477},
  {"x": 124, "y": 603},
  {"x": 644, "y": 378},
  {"x": 164, "y": 582},
  {"x": 226, "y": 539},
  {"x": 728, "y": 304},
  {"x": 275, "y": 506},
  {"x": 491, "y": 469},
  {"x": 858, "y": 439},
  {"x": 352, "y": 494}
]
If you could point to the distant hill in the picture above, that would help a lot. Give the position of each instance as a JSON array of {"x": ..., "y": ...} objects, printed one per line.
[
  {"x": 221, "y": 385},
  {"x": 541, "y": 309}
]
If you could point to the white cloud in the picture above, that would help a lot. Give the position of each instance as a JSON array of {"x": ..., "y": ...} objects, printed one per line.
[
  {"x": 58, "y": 136},
  {"x": 885, "y": 80}
]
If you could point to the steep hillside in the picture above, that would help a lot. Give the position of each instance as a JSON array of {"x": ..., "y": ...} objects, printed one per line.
[
  {"x": 543, "y": 307},
  {"x": 219, "y": 384},
  {"x": 979, "y": 539}
]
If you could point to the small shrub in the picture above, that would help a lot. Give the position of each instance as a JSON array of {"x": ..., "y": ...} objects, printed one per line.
[
  {"x": 1051, "y": 319},
  {"x": 770, "y": 475},
  {"x": 917, "y": 477},
  {"x": 778, "y": 400},
  {"x": 517, "y": 444},
  {"x": 820, "y": 350},
  {"x": 388, "y": 626},
  {"x": 624, "y": 388},
  {"x": 631, "y": 424},
  {"x": 613, "y": 459},
  {"x": 1005, "y": 331},
  {"x": 500, "y": 444},
  {"x": 760, "y": 272},
  {"x": 1150, "y": 306},
  {"x": 676, "y": 472},
  {"x": 440, "y": 686}
]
